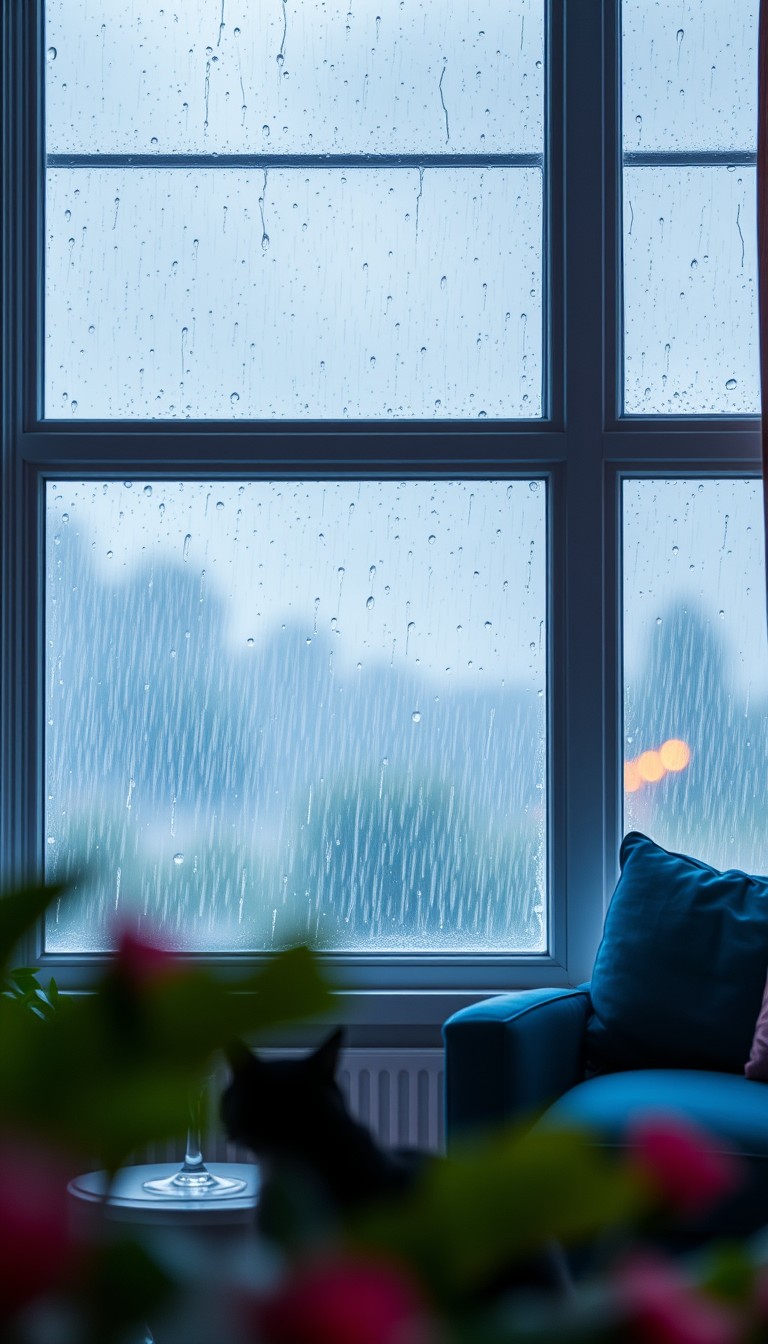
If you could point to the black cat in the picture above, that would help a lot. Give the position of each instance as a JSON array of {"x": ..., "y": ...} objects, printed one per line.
[
  {"x": 292, "y": 1115},
  {"x": 319, "y": 1165}
]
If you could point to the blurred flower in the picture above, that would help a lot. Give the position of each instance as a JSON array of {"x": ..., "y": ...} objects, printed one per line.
[
  {"x": 37, "y": 1250},
  {"x": 142, "y": 963},
  {"x": 346, "y": 1301},
  {"x": 688, "y": 1173},
  {"x": 664, "y": 1308}
]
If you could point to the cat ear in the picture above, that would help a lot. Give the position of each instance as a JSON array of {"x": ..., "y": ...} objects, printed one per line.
[
  {"x": 326, "y": 1057},
  {"x": 240, "y": 1059}
]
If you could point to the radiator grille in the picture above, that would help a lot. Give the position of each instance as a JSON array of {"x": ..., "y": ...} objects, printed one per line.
[{"x": 398, "y": 1094}]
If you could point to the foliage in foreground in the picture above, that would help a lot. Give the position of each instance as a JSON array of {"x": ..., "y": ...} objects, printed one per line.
[{"x": 88, "y": 1079}]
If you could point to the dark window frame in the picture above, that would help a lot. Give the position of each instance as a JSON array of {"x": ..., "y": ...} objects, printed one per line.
[{"x": 584, "y": 448}]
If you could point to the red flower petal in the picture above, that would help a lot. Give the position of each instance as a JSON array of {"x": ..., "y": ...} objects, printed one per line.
[
  {"x": 664, "y": 1308},
  {"x": 682, "y": 1162},
  {"x": 346, "y": 1301}
]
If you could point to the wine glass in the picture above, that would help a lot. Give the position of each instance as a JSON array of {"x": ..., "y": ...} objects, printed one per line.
[{"x": 193, "y": 1180}]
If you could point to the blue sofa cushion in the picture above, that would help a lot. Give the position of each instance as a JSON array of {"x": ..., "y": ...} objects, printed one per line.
[
  {"x": 679, "y": 974},
  {"x": 733, "y": 1110}
]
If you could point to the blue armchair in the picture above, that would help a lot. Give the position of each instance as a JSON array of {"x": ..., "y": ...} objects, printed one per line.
[
  {"x": 521, "y": 1057},
  {"x": 666, "y": 1023}
]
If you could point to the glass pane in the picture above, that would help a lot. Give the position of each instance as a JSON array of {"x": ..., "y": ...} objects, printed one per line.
[
  {"x": 312, "y": 709},
  {"x": 202, "y": 76},
  {"x": 689, "y": 74},
  {"x": 696, "y": 668},
  {"x": 229, "y": 294},
  {"x": 690, "y": 291}
]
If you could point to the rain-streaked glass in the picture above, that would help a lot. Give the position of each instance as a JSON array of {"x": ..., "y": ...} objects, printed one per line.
[
  {"x": 298, "y": 709},
  {"x": 689, "y": 89},
  {"x": 689, "y": 74},
  {"x": 297, "y": 292},
  {"x": 690, "y": 291},
  {"x": 696, "y": 668},
  {"x": 297, "y": 76}
]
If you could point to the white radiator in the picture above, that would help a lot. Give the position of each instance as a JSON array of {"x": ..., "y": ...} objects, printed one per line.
[{"x": 398, "y": 1094}]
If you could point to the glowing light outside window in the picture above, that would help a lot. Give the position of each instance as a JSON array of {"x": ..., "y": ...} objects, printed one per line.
[
  {"x": 696, "y": 668},
  {"x": 294, "y": 211},
  {"x": 310, "y": 710},
  {"x": 689, "y": 216}
]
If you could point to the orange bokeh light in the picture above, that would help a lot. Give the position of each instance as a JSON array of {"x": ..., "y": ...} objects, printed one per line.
[
  {"x": 650, "y": 766},
  {"x": 632, "y": 777},
  {"x": 675, "y": 754}
]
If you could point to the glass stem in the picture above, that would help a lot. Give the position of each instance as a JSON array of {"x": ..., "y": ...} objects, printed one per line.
[{"x": 193, "y": 1157}]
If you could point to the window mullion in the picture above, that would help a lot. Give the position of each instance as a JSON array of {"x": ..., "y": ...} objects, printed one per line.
[{"x": 585, "y": 739}]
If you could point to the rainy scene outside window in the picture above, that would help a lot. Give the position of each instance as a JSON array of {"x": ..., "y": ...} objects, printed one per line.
[
  {"x": 690, "y": 238},
  {"x": 294, "y": 210},
  {"x": 312, "y": 709},
  {"x": 695, "y": 653}
]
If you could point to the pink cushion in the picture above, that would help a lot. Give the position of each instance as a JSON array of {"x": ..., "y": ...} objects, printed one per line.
[{"x": 757, "y": 1065}]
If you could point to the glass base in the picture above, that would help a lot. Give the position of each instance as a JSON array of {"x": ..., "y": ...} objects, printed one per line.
[{"x": 195, "y": 1184}]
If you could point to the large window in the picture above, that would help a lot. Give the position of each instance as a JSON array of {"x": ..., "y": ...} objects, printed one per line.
[{"x": 380, "y": 450}]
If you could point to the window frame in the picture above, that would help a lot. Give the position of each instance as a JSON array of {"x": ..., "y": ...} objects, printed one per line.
[{"x": 584, "y": 448}]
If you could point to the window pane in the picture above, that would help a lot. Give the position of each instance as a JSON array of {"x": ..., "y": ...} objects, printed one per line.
[
  {"x": 696, "y": 668},
  {"x": 301, "y": 293},
  {"x": 690, "y": 291},
  {"x": 689, "y": 74},
  {"x": 316, "y": 709},
  {"x": 133, "y": 76}
]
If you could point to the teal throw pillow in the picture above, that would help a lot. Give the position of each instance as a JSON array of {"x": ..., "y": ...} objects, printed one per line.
[{"x": 679, "y": 975}]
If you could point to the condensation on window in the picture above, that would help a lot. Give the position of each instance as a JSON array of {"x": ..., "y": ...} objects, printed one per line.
[
  {"x": 690, "y": 291},
  {"x": 294, "y": 293},
  {"x": 294, "y": 76},
  {"x": 314, "y": 710},
  {"x": 696, "y": 668},
  {"x": 689, "y": 73}
]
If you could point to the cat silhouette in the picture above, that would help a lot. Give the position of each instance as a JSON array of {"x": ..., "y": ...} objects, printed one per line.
[{"x": 292, "y": 1115}]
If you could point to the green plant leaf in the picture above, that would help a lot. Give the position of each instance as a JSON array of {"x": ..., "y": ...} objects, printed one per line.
[
  {"x": 19, "y": 912},
  {"x": 477, "y": 1213}
]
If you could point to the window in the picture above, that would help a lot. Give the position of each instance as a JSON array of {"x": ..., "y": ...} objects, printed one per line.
[{"x": 358, "y": 389}]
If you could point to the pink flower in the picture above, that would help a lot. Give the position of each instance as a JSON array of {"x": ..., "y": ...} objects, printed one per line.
[
  {"x": 682, "y": 1163},
  {"x": 37, "y": 1250},
  {"x": 664, "y": 1308},
  {"x": 142, "y": 963},
  {"x": 346, "y": 1301}
]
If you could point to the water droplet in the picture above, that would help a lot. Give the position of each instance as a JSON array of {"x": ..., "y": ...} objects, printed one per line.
[
  {"x": 721, "y": 614},
  {"x": 416, "y": 716},
  {"x": 249, "y": 641},
  {"x": 178, "y": 859},
  {"x": 675, "y": 550},
  {"x": 109, "y": 555},
  {"x": 52, "y": 53},
  {"x": 443, "y": 281},
  {"x": 533, "y": 485},
  {"x": 731, "y": 384},
  {"x": 234, "y": 396},
  {"x": 658, "y": 620},
  {"x": 219, "y": 505},
  {"x": 431, "y": 539},
  {"x": 185, "y": 547},
  {"x": 372, "y": 361},
  {"x": 488, "y": 625},
  {"x": 370, "y": 604},
  {"x": 147, "y": 490},
  {"x": 694, "y": 264}
]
